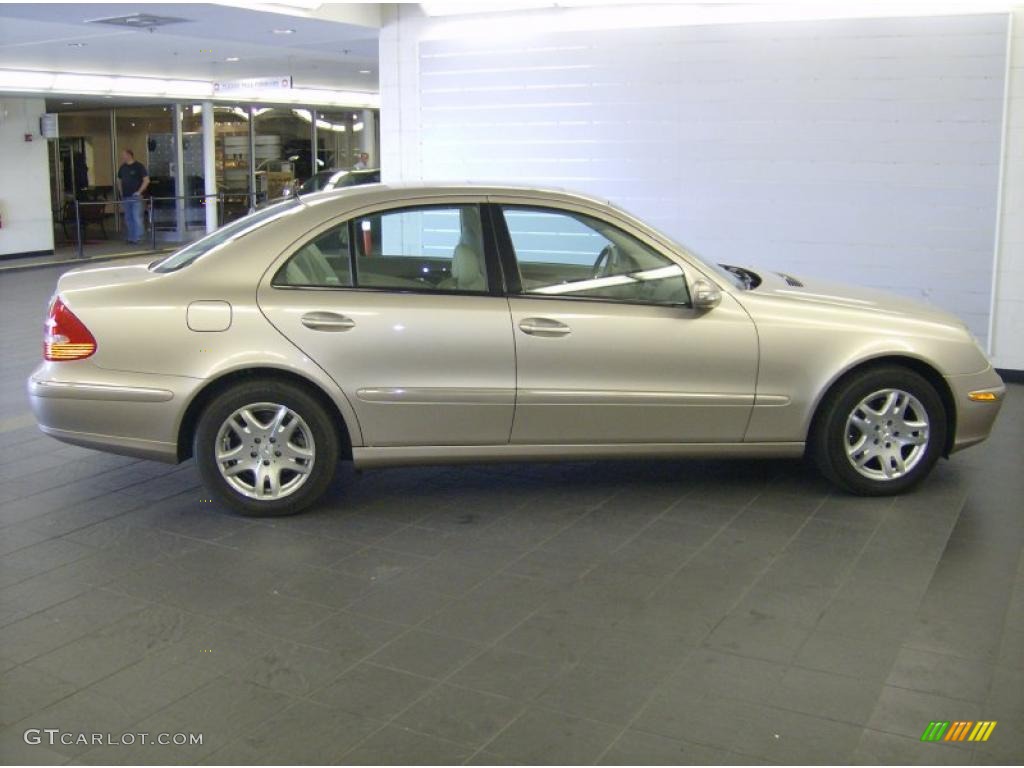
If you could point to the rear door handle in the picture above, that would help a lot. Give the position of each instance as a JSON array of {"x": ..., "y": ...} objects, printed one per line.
[
  {"x": 327, "y": 321},
  {"x": 543, "y": 326}
]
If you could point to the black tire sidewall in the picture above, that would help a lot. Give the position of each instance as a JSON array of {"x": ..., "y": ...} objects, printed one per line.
[
  {"x": 829, "y": 443},
  {"x": 301, "y": 402}
]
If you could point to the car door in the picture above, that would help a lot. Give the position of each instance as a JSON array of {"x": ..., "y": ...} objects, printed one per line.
[
  {"x": 608, "y": 346},
  {"x": 399, "y": 307}
]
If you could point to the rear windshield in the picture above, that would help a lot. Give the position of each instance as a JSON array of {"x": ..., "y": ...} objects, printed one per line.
[{"x": 225, "y": 234}]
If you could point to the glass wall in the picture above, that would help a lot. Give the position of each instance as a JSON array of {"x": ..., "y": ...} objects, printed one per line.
[
  {"x": 284, "y": 155},
  {"x": 148, "y": 131},
  {"x": 82, "y": 173},
  {"x": 261, "y": 153},
  {"x": 339, "y": 138}
]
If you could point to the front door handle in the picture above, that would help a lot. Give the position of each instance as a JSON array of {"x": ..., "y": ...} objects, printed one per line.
[
  {"x": 543, "y": 326},
  {"x": 327, "y": 321}
]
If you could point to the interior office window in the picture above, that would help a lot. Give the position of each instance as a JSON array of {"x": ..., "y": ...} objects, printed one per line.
[
  {"x": 323, "y": 262},
  {"x": 572, "y": 255},
  {"x": 435, "y": 248}
]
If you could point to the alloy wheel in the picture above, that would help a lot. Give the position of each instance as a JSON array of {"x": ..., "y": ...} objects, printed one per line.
[
  {"x": 886, "y": 434},
  {"x": 265, "y": 451}
]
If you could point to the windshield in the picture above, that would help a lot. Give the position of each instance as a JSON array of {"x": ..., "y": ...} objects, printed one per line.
[
  {"x": 225, "y": 234},
  {"x": 719, "y": 270}
]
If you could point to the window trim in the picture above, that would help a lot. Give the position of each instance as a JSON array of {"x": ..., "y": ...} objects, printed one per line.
[{"x": 510, "y": 262}]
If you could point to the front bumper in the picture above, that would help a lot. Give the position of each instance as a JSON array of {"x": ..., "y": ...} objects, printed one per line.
[
  {"x": 115, "y": 411},
  {"x": 974, "y": 419}
]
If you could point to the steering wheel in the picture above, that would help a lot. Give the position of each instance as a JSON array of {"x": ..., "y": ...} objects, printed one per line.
[{"x": 606, "y": 261}]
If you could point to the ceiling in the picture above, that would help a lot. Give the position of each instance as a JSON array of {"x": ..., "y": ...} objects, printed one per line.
[{"x": 318, "y": 53}]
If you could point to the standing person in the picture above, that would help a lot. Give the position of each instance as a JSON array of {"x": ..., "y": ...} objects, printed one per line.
[
  {"x": 133, "y": 179},
  {"x": 363, "y": 163}
]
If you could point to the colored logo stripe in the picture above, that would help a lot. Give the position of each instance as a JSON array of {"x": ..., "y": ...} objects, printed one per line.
[
  {"x": 958, "y": 730},
  {"x": 935, "y": 730},
  {"x": 982, "y": 730}
]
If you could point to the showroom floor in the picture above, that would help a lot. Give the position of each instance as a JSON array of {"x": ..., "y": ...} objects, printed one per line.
[{"x": 679, "y": 612}]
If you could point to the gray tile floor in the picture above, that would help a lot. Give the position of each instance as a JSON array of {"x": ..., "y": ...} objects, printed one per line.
[{"x": 674, "y": 612}]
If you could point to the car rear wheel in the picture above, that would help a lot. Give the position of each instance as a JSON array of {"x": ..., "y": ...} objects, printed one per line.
[
  {"x": 880, "y": 432},
  {"x": 266, "y": 448}
]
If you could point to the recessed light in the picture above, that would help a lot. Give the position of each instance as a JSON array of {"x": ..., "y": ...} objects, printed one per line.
[
  {"x": 231, "y": 58},
  {"x": 364, "y": 71},
  {"x": 284, "y": 31},
  {"x": 67, "y": 103},
  {"x": 77, "y": 45}
]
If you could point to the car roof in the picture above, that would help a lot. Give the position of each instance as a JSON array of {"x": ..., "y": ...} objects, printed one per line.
[{"x": 383, "y": 192}]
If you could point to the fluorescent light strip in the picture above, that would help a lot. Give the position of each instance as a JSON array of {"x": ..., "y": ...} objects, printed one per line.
[{"x": 25, "y": 81}]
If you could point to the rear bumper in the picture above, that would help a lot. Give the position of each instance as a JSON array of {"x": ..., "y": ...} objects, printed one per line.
[
  {"x": 974, "y": 420},
  {"x": 126, "y": 413}
]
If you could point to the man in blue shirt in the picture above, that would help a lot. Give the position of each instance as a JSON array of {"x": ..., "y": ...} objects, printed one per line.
[{"x": 133, "y": 179}]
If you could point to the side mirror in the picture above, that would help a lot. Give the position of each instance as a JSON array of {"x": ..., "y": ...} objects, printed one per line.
[{"x": 705, "y": 295}]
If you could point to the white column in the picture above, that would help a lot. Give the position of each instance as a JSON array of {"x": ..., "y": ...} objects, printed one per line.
[
  {"x": 209, "y": 166},
  {"x": 179, "y": 175},
  {"x": 1007, "y": 329}
]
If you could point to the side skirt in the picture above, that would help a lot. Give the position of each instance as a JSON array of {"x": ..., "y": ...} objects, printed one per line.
[{"x": 392, "y": 456}]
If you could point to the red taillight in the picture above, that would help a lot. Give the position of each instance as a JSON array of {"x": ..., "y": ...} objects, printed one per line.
[{"x": 66, "y": 337}]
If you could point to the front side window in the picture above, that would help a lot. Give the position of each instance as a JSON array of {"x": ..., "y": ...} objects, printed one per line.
[
  {"x": 323, "y": 262},
  {"x": 432, "y": 248},
  {"x": 572, "y": 255}
]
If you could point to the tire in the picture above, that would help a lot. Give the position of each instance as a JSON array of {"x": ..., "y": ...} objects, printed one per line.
[
  {"x": 300, "y": 449},
  {"x": 879, "y": 432}
]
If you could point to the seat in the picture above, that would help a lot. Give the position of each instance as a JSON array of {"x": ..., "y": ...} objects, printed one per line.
[
  {"x": 469, "y": 272},
  {"x": 310, "y": 267}
]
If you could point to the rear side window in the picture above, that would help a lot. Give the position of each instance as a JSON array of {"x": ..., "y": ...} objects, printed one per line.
[
  {"x": 324, "y": 262},
  {"x": 425, "y": 248},
  {"x": 432, "y": 248}
]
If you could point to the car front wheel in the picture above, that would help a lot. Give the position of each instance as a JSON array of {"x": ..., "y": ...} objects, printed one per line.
[
  {"x": 266, "y": 448},
  {"x": 880, "y": 432}
]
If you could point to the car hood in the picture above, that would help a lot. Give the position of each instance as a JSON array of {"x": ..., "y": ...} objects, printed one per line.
[{"x": 788, "y": 288}]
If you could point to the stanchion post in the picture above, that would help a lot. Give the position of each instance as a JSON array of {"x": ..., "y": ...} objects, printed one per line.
[{"x": 80, "y": 247}]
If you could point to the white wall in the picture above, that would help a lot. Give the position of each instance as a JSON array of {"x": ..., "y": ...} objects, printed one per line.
[
  {"x": 865, "y": 150},
  {"x": 24, "y": 179},
  {"x": 1008, "y": 331}
]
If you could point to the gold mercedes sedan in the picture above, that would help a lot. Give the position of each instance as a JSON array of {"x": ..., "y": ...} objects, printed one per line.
[{"x": 420, "y": 324}]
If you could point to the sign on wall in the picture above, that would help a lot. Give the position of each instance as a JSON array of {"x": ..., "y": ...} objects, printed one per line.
[
  {"x": 252, "y": 84},
  {"x": 48, "y": 127}
]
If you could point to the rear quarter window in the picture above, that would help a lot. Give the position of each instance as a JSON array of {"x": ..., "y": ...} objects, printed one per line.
[{"x": 226, "y": 234}]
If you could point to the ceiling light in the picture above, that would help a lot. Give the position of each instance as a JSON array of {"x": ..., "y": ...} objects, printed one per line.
[
  {"x": 284, "y": 31},
  {"x": 231, "y": 58},
  {"x": 77, "y": 45},
  {"x": 108, "y": 86},
  {"x": 364, "y": 71},
  {"x": 67, "y": 103},
  {"x": 139, "y": 21}
]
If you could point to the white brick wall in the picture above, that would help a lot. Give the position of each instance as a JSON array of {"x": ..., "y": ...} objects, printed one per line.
[
  {"x": 1008, "y": 335},
  {"x": 864, "y": 150}
]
